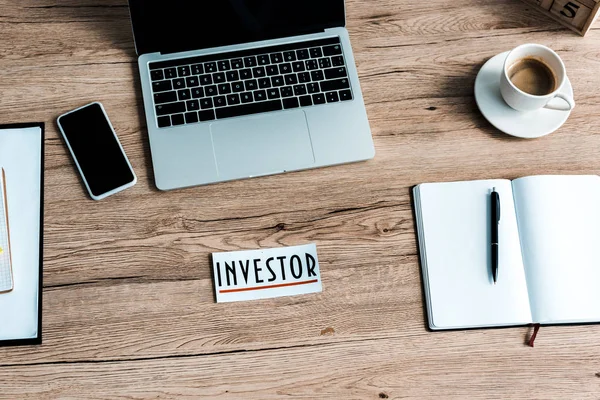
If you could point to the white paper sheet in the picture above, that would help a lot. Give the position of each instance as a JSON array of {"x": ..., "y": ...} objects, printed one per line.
[{"x": 20, "y": 156}]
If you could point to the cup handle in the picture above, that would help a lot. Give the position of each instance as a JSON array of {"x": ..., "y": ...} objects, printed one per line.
[{"x": 561, "y": 107}]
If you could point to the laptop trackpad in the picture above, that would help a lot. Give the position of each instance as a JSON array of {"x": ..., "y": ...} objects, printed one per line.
[{"x": 262, "y": 145}]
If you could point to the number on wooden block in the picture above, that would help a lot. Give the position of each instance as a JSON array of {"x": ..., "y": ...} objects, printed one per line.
[
  {"x": 569, "y": 10},
  {"x": 572, "y": 12}
]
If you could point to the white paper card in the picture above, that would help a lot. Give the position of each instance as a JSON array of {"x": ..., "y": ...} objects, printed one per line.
[{"x": 266, "y": 273}]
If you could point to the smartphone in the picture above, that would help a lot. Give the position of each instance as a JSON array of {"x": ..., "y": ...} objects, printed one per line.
[{"x": 96, "y": 150}]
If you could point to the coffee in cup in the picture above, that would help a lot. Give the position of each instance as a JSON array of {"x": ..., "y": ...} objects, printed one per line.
[{"x": 532, "y": 78}]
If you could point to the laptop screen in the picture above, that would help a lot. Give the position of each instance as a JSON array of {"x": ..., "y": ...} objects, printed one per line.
[{"x": 181, "y": 25}]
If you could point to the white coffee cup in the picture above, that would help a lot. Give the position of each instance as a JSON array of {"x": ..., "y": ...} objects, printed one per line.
[{"x": 522, "y": 101}]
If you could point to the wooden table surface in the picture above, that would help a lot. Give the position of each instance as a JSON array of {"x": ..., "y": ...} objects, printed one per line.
[{"x": 128, "y": 307}]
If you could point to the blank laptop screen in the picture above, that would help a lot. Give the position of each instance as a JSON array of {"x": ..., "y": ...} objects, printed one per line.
[{"x": 179, "y": 25}]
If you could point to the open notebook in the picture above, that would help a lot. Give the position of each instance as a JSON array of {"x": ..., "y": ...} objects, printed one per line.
[{"x": 549, "y": 251}]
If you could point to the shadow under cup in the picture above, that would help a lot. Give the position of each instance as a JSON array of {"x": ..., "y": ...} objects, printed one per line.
[{"x": 523, "y": 101}]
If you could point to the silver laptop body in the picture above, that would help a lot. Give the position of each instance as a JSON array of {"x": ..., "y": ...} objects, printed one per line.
[{"x": 230, "y": 147}]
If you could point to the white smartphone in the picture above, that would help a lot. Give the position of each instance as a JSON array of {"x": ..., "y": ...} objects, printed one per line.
[{"x": 96, "y": 150}]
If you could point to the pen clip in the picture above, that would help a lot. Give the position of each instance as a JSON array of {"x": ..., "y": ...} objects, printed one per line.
[
  {"x": 498, "y": 207},
  {"x": 497, "y": 195}
]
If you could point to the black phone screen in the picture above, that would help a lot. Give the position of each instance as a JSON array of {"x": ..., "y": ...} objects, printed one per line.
[{"x": 96, "y": 149}]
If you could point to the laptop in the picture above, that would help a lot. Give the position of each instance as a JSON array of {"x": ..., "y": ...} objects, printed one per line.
[{"x": 237, "y": 89}]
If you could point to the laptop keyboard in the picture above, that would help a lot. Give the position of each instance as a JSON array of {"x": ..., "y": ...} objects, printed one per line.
[{"x": 226, "y": 85}]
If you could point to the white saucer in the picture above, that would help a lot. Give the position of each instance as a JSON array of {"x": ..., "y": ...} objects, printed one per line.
[{"x": 531, "y": 124}]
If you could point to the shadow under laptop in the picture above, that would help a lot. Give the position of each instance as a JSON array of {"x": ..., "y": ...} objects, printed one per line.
[{"x": 143, "y": 129}]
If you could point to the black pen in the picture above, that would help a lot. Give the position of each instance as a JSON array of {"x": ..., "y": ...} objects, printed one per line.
[{"x": 495, "y": 199}]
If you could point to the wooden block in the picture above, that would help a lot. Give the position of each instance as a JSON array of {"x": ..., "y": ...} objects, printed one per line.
[
  {"x": 577, "y": 15},
  {"x": 589, "y": 3},
  {"x": 545, "y": 4},
  {"x": 571, "y": 12},
  {"x": 593, "y": 16}
]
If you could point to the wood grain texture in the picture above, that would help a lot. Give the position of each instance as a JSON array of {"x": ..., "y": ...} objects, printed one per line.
[{"x": 129, "y": 306}]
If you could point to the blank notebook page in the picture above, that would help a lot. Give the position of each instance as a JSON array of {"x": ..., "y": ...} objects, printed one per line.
[
  {"x": 559, "y": 220},
  {"x": 455, "y": 219}
]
